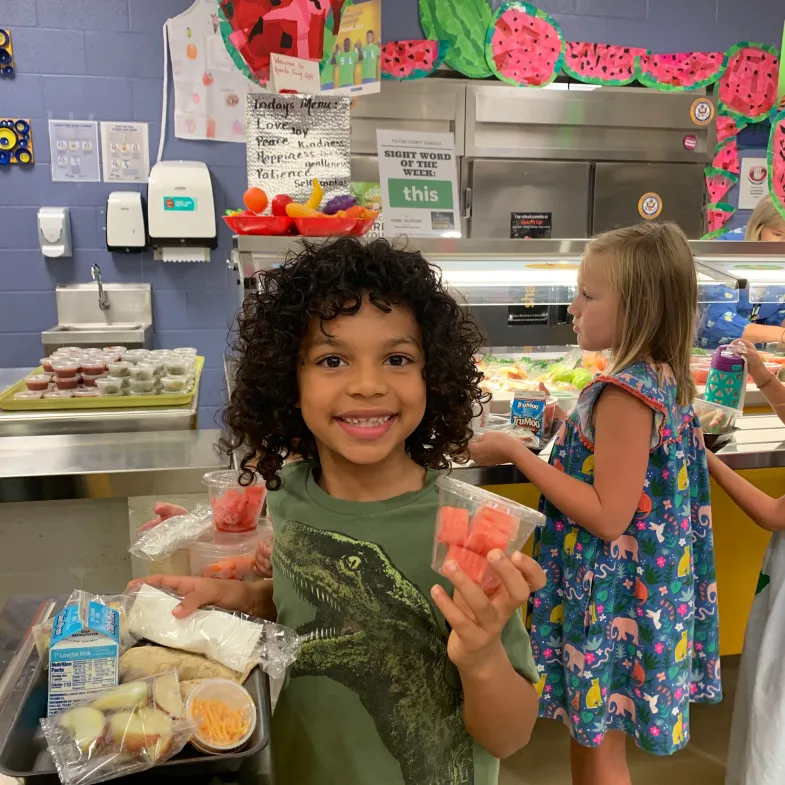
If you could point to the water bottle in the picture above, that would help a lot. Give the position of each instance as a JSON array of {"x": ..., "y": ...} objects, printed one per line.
[{"x": 727, "y": 380}]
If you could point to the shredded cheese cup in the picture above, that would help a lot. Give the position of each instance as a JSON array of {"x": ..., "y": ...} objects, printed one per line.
[{"x": 219, "y": 723}]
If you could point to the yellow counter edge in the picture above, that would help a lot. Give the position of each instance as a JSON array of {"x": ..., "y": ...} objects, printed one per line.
[{"x": 739, "y": 546}]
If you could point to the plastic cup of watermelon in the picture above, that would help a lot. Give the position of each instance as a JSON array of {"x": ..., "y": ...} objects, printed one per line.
[
  {"x": 236, "y": 508},
  {"x": 472, "y": 522}
]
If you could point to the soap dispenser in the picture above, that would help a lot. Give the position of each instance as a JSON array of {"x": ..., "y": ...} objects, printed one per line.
[{"x": 54, "y": 232}]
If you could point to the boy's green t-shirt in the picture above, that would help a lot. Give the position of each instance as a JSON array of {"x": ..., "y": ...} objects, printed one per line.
[
  {"x": 346, "y": 62},
  {"x": 372, "y": 697},
  {"x": 371, "y": 54}
]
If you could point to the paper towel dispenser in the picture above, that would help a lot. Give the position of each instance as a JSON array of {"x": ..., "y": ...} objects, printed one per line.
[{"x": 181, "y": 209}]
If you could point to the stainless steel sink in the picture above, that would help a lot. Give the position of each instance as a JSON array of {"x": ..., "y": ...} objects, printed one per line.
[{"x": 127, "y": 321}]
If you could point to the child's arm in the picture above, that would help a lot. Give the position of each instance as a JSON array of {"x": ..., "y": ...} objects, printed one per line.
[
  {"x": 773, "y": 391},
  {"x": 253, "y": 598},
  {"x": 500, "y": 705},
  {"x": 622, "y": 427},
  {"x": 768, "y": 513}
]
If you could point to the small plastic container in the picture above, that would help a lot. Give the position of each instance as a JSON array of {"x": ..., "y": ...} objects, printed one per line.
[
  {"x": 140, "y": 393},
  {"x": 178, "y": 366},
  {"x": 234, "y": 696},
  {"x": 38, "y": 382},
  {"x": 142, "y": 372},
  {"x": 236, "y": 508},
  {"x": 93, "y": 367},
  {"x": 111, "y": 395},
  {"x": 64, "y": 369},
  {"x": 66, "y": 383},
  {"x": 28, "y": 395},
  {"x": 123, "y": 381},
  {"x": 120, "y": 368},
  {"x": 715, "y": 419},
  {"x": 109, "y": 386},
  {"x": 46, "y": 364},
  {"x": 115, "y": 349},
  {"x": 187, "y": 351},
  {"x": 472, "y": 522},
  {"x": 174, "y": 384},
  {"x": 90, "y": 392},
  {"x": 67, "y": 350},
  {"x": 136, "y": 356},
  {"x": 142, "y": 386},
  {"x": 58, "y": 394},
  {"x": 226, "y": 556},
  {"x": 89, "y": 381}
]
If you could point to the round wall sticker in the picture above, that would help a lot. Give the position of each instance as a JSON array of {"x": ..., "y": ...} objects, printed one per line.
[
  {"x": 649, "y": 206},
  {"x": 702, "y": 111},
  {"x": 690, "y": 142}
]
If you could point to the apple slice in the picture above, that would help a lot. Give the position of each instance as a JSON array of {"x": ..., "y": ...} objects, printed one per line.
[
  {"x": 160, "y": 749},
  {"x": 166, "y": 694},
  {"x": 140, "y": 729},
  {"x": 126, "y": 696},
  {"x": 85, "y": 724}
]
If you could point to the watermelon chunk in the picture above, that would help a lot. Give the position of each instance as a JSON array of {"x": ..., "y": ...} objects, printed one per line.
[
  {"x": 237, "y": 510},
  {"x": 524, "y": 45},
  {"x": 453, "y": 526},
  {"x": 726, "y": 157},
  {"x": 776, "y": 160},
  {"x": 602, "y": 64},
  {"x": 728, "y": 127},
  {"x": 680, "y": 70},
  {"x": 490, "y": 529},
  {"x": 748, "y": 88},
  {"x": 475, "y": 566},
  {"x": 718, "y": 215},
  {"x": 719, "y": 182},
  {"x": 404, "y": 60}
]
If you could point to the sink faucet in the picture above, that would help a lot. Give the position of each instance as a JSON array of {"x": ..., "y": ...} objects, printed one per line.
[{"x": 103, "y": 300}]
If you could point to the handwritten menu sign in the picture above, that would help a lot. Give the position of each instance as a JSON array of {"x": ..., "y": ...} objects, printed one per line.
[{"x": 292, "y": 139}]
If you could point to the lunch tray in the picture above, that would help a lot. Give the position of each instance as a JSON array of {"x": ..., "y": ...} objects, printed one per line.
[
  {"x": 9, "y": 404},
  {"x": 24, "y": 753}
]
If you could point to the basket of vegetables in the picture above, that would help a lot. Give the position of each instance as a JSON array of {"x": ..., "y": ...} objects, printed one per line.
[{"x": 340, "y": 216}]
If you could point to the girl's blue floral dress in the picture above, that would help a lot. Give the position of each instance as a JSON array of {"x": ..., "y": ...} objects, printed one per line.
[{"x": 625, "y": 633}]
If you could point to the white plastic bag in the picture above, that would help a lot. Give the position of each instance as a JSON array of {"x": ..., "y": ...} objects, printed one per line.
[
  {"x": 122, "y": 731},
  {"x": 172, "y": 535},
  {"x": 756, "y": 753},
  {"x": 235, "y": 640}
]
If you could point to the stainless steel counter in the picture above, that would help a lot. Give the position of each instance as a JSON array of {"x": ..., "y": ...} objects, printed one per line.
[
  {"x": 18, "y": 664},
  {"x": 90, "y": 421}
]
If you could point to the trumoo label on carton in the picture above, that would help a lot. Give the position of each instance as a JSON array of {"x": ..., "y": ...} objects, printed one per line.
[
  {"x": 84, "y": 654},
  {"x": 527, "y": 411}
]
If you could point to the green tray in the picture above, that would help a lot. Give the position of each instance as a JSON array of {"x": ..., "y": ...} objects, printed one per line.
[{"x": 9, "y": 404}]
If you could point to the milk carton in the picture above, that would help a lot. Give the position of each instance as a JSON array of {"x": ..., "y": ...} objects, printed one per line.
[
  {"x": 84, "y": 654},
  {"x": 527, "y": 412}
]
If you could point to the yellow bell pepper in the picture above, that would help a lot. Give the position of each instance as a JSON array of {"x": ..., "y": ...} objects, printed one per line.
[
  {"x": 295, "y": 210},
  {"x": 317, "y": 194}
]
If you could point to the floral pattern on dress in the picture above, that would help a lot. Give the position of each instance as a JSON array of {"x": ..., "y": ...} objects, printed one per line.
[{"x": 625, "y": 633}]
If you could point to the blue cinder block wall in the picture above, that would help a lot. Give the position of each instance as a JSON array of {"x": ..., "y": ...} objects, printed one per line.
[{"x": 103, "y": 60}]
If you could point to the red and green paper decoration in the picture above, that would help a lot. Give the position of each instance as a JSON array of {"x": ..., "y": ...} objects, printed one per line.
[
  {"x": 463, "y": 24},
  {"x": 719, "y": 182},
  {"x": 717, "y": 215},
  {"x": 524, "y": 45},
  {"x": 728, "y": 127},
  {"x": 405, "y": 60},
  {"x": 679, "y": 71},
  {"x": 776, "y": 162},
  {"x": 748, "y": 88},
  {"x": 600, "y": 64},
  {"x": 726, "y": 156}
]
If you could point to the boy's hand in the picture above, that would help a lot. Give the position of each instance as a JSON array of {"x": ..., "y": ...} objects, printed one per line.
[
  {"x": 478, "y": 620},
  {"x": 492, "y": 448},
  {"x": 163, "y": 511},
  {"x": 199, "y": 592},
  {"x": 262, "y": 563},
  {"x": 760, "y": 374}
]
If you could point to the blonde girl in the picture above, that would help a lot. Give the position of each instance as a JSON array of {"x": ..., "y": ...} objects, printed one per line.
[{"x": 625, "y": 632}]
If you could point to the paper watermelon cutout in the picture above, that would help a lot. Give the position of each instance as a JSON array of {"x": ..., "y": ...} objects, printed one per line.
[
  {"x": 524, "y": 45},
  {"x": 680, "y": 70},
  {"x": 719, "y": 182},
  {"x": 403, "y": 60},
  {"x": 602, "y": 64},
  {"x": 726, "y": 156},
  {"x": 748, "y": 88},
  {"x": 463, "y": 24},
  {"x": 728, "y": 127},
  {"x": 776, "y": 156},
  {"x": 718, "y": 215}
]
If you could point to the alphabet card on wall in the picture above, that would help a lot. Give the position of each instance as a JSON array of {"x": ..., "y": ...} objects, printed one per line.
[{"x": 419, "y": 183}]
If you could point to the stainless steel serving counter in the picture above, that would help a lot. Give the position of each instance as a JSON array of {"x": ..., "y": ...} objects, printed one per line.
[
  {"x": 90, "y": 421},
  {"x": 18, "y": 664},
  {"x": 143, "y": 464}
]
